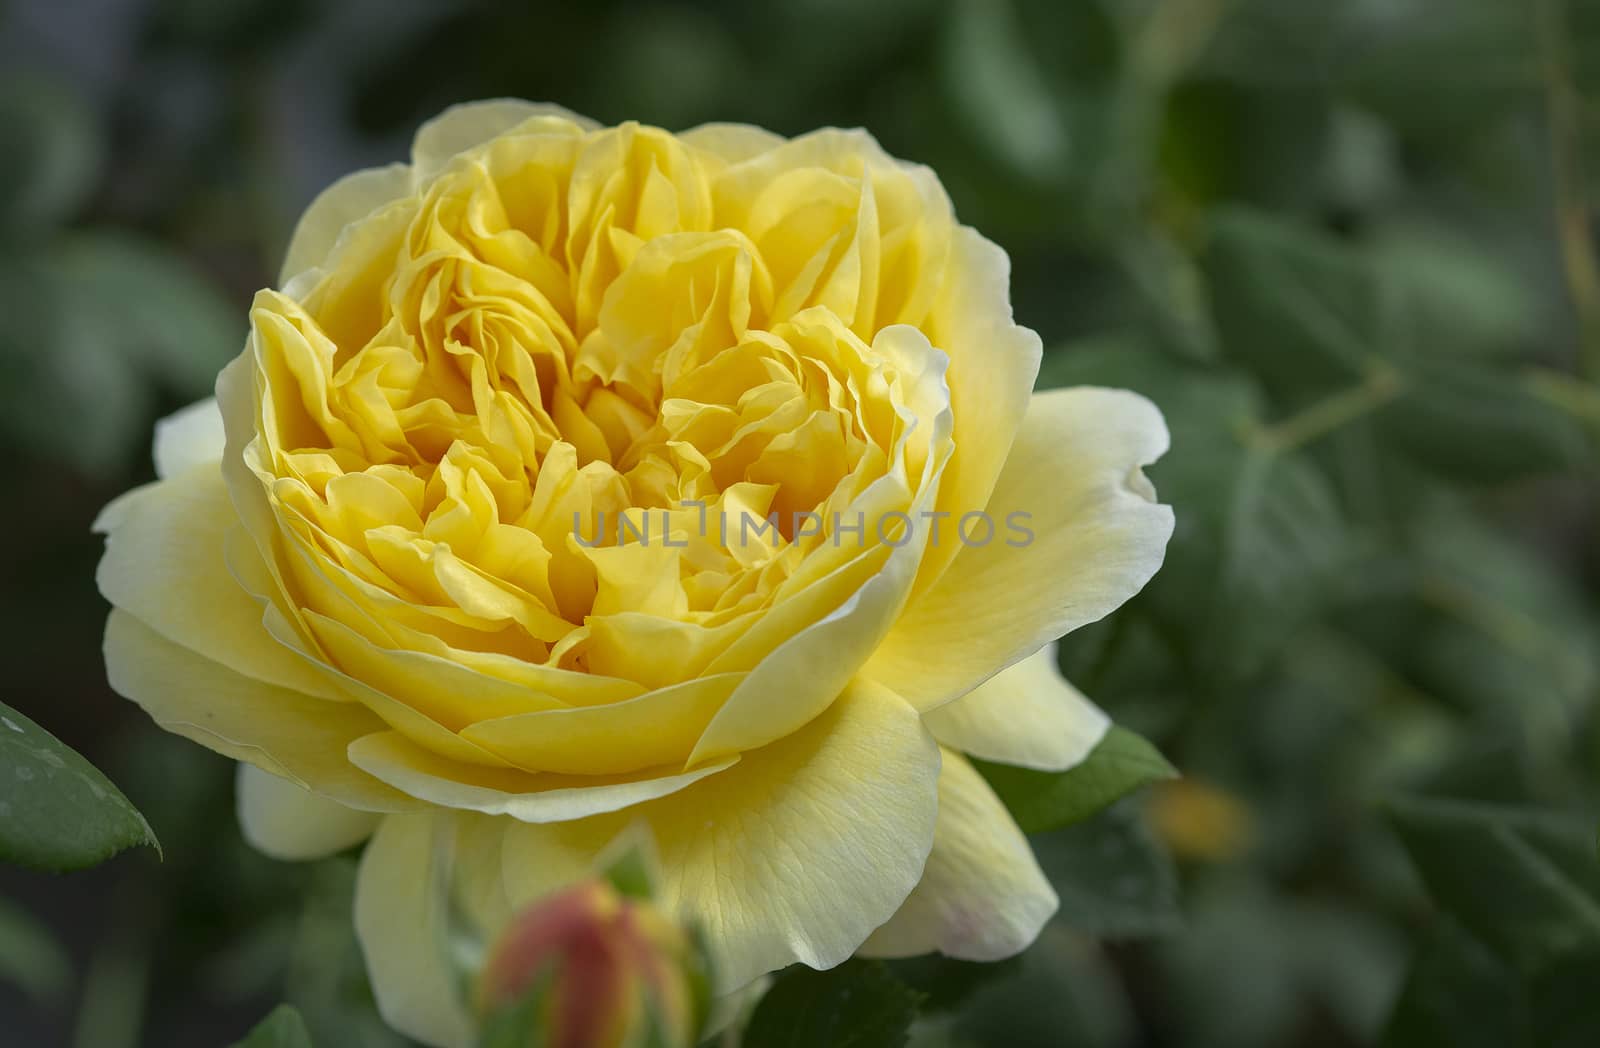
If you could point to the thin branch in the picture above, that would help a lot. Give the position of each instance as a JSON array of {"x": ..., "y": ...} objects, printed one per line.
[
  {"x": 1572, "y": 205},
  {"x": 1318, "y": 420}
]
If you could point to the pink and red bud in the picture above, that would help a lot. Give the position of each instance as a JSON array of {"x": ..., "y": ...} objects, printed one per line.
[{"x": 589, "y": 967}]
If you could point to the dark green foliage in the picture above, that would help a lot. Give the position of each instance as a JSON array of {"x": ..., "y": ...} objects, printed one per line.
[
  {"x": 282, "y": 1029},
  {"x": 1335, "y": 242},
  {"x": 1040, "y": 801},
  {"x": 859, "y": 1004}
]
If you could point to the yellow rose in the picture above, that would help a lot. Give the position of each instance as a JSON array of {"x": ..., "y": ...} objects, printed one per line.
[{"x": 402, "y": 573}]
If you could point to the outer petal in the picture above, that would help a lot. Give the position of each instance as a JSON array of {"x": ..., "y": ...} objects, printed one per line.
[
  {"x": 1027, "y": 715},
  {"x": 993, "y": 365},
  {"x": 403, "y": 899},
  {"x": 794, "y": 854},
  {"x": 732, "y": 142},
  {"x": 353, "y": 197},
  {"x": 470, "y": 124},
  {"x": 165, "y": 565},
  {"x": 1098, "y": 535},
  {"x": 296, "y": 737},
  {"x": 188, "y": 437},
  {"x": 290, "y": 822},
  {"x": 506, "y": 791},
  {"x": 983, "y": 897}
]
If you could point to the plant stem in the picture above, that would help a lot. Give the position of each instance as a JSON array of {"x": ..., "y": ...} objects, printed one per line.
[
  {"x": 1571, "y": 203},
  {"x": 1576, "y": 397},
  {"x": 1312, "y": 423}
]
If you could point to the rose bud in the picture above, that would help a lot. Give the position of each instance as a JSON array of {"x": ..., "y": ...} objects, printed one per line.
[{"x": 590, "y": 968}]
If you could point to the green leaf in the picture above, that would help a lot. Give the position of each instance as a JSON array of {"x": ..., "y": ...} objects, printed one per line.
[
  {"x": 1222, "y": 140},
  {"x": 1283, "y": 546},
  {"x": 1458, "y": 995},
  {"x": 96, "y": 325},
  {"x": 1475, "y": 422},
  {"x": 1526, "y": 882},
  {"x": 1446, "y": 69},
  {"x": 1114, "y": 879},
  {"x": 631, "y": 865},
  {"x": 59, "y": 812},
  {"x": 1466, "y": 298},
  {"x": 282, "y": 1029},
  {"x": 31, "y": 957},
  {"x": 1000, "y": 91},
  {"x": 1300, "y": 309},
  {"x": 1171, "y": 292},
  {"x": 66, "y": 393},
  {"x": 1261, "y": 539},
  {"x": 1255, "y": 959},
  {"x": 1042, "y": 800},
  {"x": 50, "y": 153},
  {"x": 1063, "y": 992},
  {"x": 1565, "y": 1009},
  {"x": 151, "y": 304},
  {"x": 859, "y": 1004},
  {"x": 630, "y": 875},
  {"x": 1309, "y": 314},
  {"x": 947, "y": 982},
  {"x": 518, "y": 1024}
]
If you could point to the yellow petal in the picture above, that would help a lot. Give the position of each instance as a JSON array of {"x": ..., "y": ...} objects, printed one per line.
[
  {"x": 1097, "y": 536},
  {"x": 463, "y": 127},
  {"x": 731, "y": 142},
  {"x": 982, "y": 896},
  {"x": 794, "y": 854},
  {"x": 165, "y": 564},
  {"x": 287, "y": 821},
  {"x": 807, "y": 669},
  {"x": 657, "y": 728},
  {"x": 504, "y": 791},
  {"x": 993, "y": 364},
  {"x": 403, "y": 923},
  {"x": 189, "y": 437},
  {"x": 352, "y": 197},
  {"x": 294, "y": 736},
  {"x": 1027, "y": 715}
]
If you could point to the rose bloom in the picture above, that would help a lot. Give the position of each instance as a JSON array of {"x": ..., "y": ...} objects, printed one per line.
[{"x": 397, "y": 568}]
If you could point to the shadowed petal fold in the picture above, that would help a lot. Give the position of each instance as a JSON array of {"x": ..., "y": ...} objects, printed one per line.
[
  {"x": 1027, "y": 715},
  {"x": 982, "y": 897}
]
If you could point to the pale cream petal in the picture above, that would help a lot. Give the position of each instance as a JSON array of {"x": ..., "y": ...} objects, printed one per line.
[
  {"x": 165, "y": 564},
  {"x": 288, "y": 821},
  {"x": 189, "y": 437},
  {"x": 1091, "y": 537},
  {"x": 294, "y": 736},
  {"x": 794, "y": 854},
  {"x": 993, "y": 365},
  {"x": 462, "y": 127},
  {"x": 506, "y": 791},
  {"x": 983, "y": 896},
  {"x": 1027, "y": 715},
  {"x": 402, "y": 904},
  {"x": 731, "y": 143},
  {"x": 350, "y": 199}
]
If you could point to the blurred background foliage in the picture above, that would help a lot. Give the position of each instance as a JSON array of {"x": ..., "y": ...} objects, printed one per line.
[{"x": 1348, "y": 249}]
